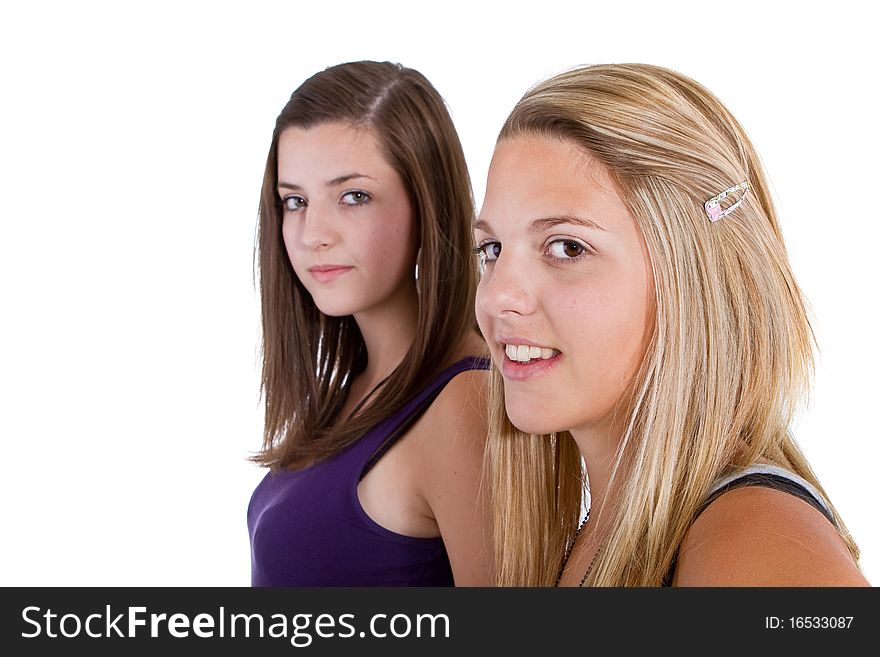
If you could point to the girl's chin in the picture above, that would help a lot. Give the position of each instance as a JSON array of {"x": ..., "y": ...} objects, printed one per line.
[
  {"x": 532, "y": 413},
  {"x": 530, "y": 424},
  {"x": 336, "y": 307}
]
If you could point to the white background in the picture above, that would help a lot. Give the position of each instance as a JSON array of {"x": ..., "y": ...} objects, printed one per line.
[{"x": 132, "y": 146}]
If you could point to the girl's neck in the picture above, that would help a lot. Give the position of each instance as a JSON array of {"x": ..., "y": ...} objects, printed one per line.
[
  {"x": 388, "y": 331},
  {"x": 598, "y": 446}
]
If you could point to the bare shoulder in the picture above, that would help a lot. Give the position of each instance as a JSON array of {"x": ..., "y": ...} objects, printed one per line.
[
  {"x": 451, "y": 440},
  {"x": 757, "y": 536},
  {"x": 457, "y": 414}
]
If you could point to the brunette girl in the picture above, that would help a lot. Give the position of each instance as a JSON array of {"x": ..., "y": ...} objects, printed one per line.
[{"x": 372, "y": 371}]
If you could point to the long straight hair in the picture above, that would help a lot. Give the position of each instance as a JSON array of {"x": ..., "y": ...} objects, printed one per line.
[
  {"x": 309, "y": 358},
  {"x": 730, "y": 358}
]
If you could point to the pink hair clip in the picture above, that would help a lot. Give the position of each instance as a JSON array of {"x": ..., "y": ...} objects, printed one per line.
[{"x": 713, "y": 205}]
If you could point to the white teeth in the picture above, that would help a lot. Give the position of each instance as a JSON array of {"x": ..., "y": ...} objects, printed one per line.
[{"x": 523, "y": 353}]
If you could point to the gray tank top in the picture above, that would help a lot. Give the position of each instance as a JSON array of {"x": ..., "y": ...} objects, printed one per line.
[
  {"x": 770, "y": 476},
  {"x": 767, "y": 476}
]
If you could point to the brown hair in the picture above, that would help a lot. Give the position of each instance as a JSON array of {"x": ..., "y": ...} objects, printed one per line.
[{"x": 310, "y": 359}]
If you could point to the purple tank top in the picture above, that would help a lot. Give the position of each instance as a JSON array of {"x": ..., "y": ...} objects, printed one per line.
[{"x": 308, "y": 528}]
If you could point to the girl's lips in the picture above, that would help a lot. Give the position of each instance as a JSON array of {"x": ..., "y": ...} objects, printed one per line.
[
  {"x": 516, "y": 371},
  {"x": 327, "y": 274}
]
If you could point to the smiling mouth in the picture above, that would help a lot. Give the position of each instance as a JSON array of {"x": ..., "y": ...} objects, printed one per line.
[{"x": 524, "y": 353}]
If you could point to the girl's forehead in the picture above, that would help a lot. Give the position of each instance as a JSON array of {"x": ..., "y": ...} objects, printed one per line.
[
  {"x": 328, "y": 151},
  {"x": 533, "y": 178}
]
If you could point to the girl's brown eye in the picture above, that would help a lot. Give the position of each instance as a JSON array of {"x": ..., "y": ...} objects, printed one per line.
[
  {"x": 566, "y": 249},
  {"x": 572, "y": 249},
  {"x": 488, "y": 251}
]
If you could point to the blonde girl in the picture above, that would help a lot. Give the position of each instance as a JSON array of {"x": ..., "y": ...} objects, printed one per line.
[{"x": 643, "y": 319}]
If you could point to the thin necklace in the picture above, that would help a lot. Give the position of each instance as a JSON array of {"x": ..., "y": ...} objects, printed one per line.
[{"x": 569, "y": 551}]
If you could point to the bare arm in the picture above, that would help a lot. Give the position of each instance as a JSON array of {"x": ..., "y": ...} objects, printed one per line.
[
  {"x": 755, "y": 536},
  {"x": 452, "y": 442}
]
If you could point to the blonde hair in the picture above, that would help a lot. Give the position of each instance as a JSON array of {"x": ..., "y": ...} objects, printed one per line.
[{"x": 730, "y": 358}]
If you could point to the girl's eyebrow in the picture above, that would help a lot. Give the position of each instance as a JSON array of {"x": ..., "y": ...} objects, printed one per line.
[
  {"x": 349, "y": 176},
  {"x": 484, "y": 226},
  {"x": 546, "y": 223},
  {"x": 549, "y": 222},
  {"x": 330, "y": 183}
]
